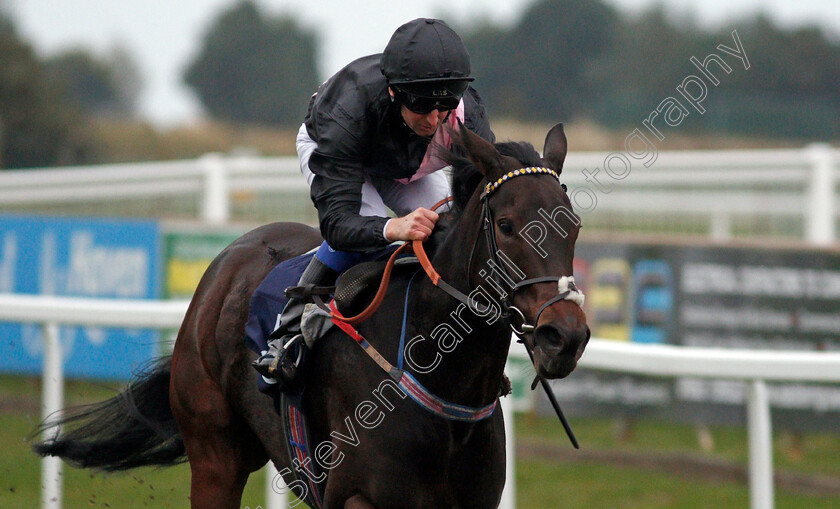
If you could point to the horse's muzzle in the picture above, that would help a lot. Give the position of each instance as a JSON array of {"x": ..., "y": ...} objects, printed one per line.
[{"x": 560, "y": 348}]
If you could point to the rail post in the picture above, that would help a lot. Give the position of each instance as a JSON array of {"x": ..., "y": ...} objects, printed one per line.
[
  {"x": 215, "y": 206},
  {"x": 273, "y": 499},
  {"x": 760, "y": 446},
  {"x": 509, "y": 492},
  {"x": 819, "y": 223},
  {"x": 52, "y": 401},
  {"x": 720, "y": 227}
]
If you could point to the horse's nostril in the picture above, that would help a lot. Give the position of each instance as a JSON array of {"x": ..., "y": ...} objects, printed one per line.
[
  {"x": 553, "y": 337},
  {"x": 549, "y": 335},
  {"x": 579, "y": 336}
]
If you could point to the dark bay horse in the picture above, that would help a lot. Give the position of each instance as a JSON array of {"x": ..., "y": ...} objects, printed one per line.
[{"x": 508, "y": 242}]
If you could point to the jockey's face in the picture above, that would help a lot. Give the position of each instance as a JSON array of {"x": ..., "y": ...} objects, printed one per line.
[{"x": 423, "y": 124}]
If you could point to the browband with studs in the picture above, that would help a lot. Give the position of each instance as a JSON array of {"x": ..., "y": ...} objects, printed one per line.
[{"x": 531, "y": 170}]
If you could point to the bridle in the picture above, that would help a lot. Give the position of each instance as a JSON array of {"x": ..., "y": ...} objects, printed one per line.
[
  {"x": 510, "y": 313},
  {"x": 566, "y": 284}
]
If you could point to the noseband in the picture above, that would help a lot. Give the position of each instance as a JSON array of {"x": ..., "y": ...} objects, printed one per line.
[{"x": 565, "y": 284}]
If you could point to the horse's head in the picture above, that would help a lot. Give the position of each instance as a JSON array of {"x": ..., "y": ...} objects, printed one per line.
[{"x": 531, "y": 246}]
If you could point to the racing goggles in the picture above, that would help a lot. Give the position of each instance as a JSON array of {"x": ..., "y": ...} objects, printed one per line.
[{"x": 423, "y": 98}]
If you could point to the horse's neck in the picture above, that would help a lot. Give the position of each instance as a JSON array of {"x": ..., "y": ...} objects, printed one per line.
[{"x": 469, "y": 373}]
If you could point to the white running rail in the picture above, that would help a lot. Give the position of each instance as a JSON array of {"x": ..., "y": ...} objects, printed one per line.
[
  {"x": 755, "y": 367},
  {"x": 714, "y": 186}
]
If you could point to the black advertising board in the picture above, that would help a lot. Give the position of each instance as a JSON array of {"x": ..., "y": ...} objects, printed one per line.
[{"x": 707, "y": 295}]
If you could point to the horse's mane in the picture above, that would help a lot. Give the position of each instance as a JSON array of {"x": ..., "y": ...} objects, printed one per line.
[{"x": 466, "y": 178}]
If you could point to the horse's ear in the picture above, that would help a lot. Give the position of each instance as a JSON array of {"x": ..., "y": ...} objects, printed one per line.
[
  {"x": 480, "y": 151},
  {"x": 554, "y": 152}
]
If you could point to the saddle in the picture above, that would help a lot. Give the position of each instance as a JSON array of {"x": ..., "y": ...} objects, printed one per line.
[
  {"x": 354, "y": 295},
  {"x": 356, "y": 287},
  {"x": 272, "y": 294}
]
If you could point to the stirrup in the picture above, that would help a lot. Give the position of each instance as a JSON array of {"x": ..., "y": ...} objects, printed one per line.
[
  {"x": 273, "y": 369},
  {"x": 282, "y": 352}
]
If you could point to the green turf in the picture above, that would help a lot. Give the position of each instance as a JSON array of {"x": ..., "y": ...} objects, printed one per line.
[
  {"x": 541, "y": 483},
  {"x": 820, "y": 450},
  {"x": 544, "y": 484}
]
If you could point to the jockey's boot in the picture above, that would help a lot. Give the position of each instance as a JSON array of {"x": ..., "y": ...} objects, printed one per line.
[{"x": 285, "y": 345}]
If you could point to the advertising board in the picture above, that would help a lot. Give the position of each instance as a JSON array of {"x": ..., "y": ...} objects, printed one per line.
[
  {"x": 710, "y": 296},
  {"x": 188, "y": 254},
  {"x": 94, "y": 258}
]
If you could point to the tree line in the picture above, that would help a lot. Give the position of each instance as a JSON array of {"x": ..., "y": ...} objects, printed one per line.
[
  {"x": 45, "y": 104},
  {"x": 563, "y": 60},
  {"x": 569, "y": 59}
]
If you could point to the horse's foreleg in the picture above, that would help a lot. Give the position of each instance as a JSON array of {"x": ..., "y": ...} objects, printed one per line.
[{"x": 358, "y": 502}]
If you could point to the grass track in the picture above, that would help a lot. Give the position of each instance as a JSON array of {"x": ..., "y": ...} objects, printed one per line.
[{"x": 541, "y": 483}]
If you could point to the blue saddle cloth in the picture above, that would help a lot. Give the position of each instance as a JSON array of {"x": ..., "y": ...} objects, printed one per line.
[
  {"x": 268, "y": 302},
  {"x": 269, "y": 298}
]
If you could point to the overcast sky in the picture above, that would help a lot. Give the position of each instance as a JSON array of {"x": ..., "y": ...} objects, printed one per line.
[{"x": 164, "y": 35}]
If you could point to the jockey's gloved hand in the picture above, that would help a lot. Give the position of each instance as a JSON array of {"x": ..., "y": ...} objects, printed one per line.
[{"x": 417, "y": 225}]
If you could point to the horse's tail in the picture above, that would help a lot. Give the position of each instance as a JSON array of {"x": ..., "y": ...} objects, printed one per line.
[{"x": 132, "y": 429}]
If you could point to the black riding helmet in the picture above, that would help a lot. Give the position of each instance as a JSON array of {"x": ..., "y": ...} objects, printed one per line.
[{"x": 426, "y": 65}]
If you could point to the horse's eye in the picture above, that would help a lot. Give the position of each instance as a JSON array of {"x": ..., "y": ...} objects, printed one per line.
[{"x": 505, "y": 226}]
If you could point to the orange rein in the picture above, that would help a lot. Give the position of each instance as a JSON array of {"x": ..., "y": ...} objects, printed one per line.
[{"x": 416, "y": 246}]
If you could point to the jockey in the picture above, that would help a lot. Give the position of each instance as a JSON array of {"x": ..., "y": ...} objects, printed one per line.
[{"x": 370, "y": 141}]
